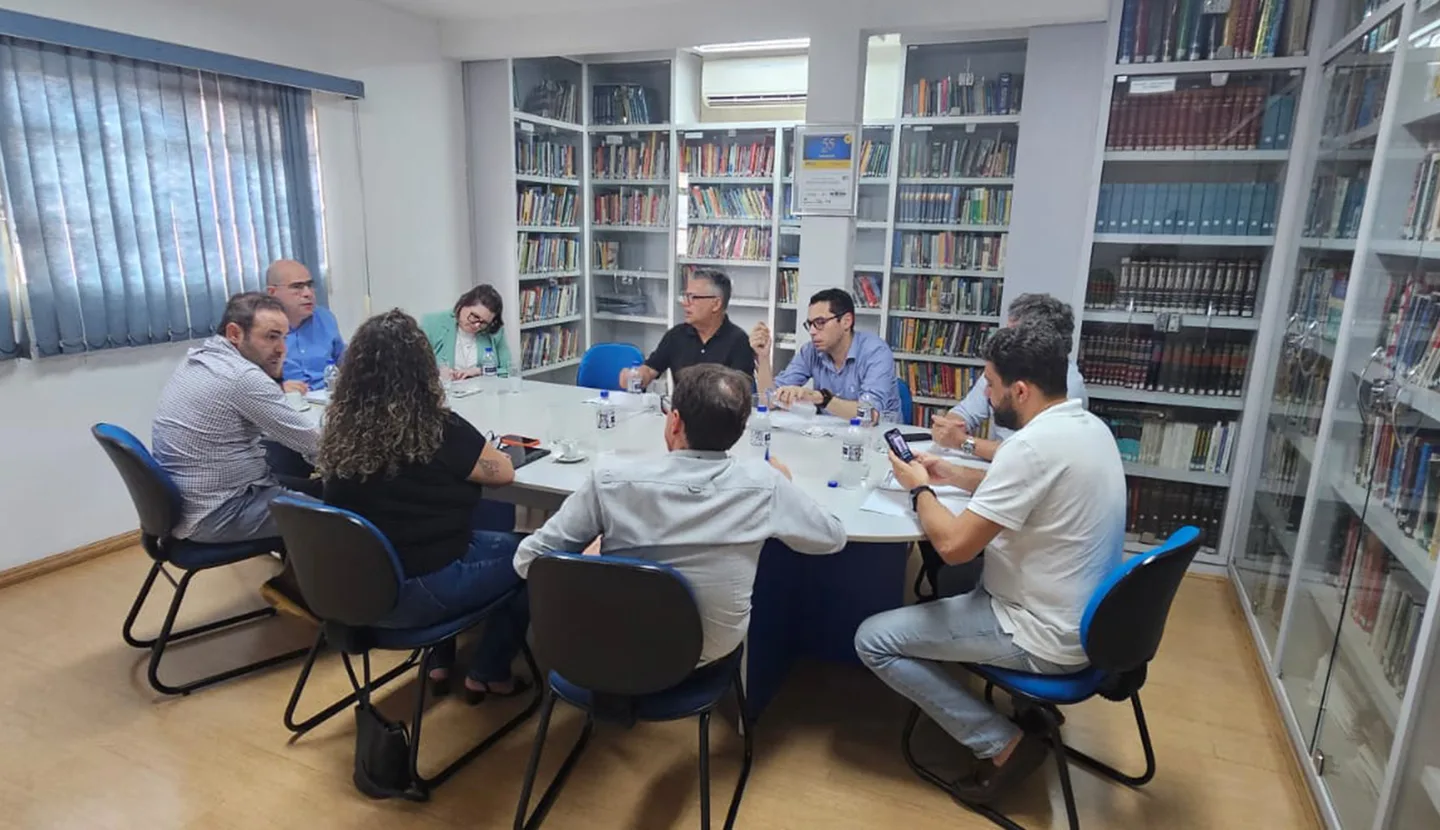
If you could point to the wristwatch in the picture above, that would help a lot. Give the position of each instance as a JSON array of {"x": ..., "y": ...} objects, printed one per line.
[
  {"x": 968, "y": 445},
  {"x": 915, "y": 496},
  {"x": 825, "y": 397}
]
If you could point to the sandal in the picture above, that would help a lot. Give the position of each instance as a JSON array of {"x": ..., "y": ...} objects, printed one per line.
[{"x": 474, "y": 697}]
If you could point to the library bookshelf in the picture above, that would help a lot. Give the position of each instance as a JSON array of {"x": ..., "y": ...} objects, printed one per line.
[{"x": 1293, "y": 145}]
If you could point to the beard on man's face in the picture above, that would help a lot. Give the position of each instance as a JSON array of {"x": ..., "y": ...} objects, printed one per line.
[{"x": 1005, "y": 415}]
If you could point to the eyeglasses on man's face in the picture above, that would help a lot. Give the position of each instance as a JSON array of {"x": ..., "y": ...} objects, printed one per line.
[
  {"x": 819, "y": 322},
  {"x": 297, "y": 287},
  {"x": 690, "y": 297}
]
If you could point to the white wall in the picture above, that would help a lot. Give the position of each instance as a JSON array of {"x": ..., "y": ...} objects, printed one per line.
[{"x": 57, "y": 490}]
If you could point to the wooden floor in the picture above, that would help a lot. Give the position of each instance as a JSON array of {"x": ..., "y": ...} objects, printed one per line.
[{"x": 84, "y": 743}]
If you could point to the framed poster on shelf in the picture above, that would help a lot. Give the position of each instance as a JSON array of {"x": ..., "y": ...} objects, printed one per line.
[{"x": 826, "y": 160}]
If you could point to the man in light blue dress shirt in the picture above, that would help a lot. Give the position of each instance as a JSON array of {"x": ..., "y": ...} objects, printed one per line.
[
  {"x": 955, "y": 430},
  {"x": 314, "y": 341},
  {"x": 843, "y": 363}
]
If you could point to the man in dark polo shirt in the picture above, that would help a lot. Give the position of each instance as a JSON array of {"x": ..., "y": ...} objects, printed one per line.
[{"x": 706, "y": 336}]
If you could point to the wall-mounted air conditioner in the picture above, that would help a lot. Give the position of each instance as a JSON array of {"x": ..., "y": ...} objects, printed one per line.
[{"x": 755, "y": 81}]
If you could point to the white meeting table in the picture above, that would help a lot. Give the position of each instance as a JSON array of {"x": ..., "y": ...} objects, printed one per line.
[{"x": 802, "y": 606}]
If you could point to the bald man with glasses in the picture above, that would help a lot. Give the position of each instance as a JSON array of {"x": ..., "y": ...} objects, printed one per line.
[
  {"x": 706, "y": 336},
  {"x": 314, "y": 340}
]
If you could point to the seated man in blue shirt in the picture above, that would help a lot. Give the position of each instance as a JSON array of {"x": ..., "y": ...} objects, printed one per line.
[
  {"x": 314, "y": 340},
  {"x": 955, "y": 429},
  {"x": 844, "y": 363}
]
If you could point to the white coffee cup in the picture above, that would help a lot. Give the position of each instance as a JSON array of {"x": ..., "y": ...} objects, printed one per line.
[{"x": 296, "y": 400}]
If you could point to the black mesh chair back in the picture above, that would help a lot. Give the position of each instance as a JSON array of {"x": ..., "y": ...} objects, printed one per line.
[
  {"x": 613, "y": 624},
  {"x": 157, "y": 500},
  {"x": 347, "y": 570},
  {"x": 1124, "y": 622}
]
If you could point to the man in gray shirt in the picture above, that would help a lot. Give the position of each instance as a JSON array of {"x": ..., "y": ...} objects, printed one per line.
[
  {"x": 222, "y": 400},
  {"x": 956, "y": 429},
  {"x": 695, "y": 508}
]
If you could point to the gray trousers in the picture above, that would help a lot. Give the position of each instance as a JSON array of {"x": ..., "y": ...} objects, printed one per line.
[{"x": 247, "y": 516}]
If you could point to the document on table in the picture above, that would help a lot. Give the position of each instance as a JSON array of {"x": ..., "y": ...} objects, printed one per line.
[
  {"x": 622, "y": 400},
  {"x": 320, "y": 396},
  {"x": 806, "y": 424},
  {"x": 941, "y": 490},
  {"x": 897, "y": 502}
]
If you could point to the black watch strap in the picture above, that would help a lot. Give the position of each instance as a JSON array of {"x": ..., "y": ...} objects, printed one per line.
[
  {"x": 915, "y": 496},
  {"x": 826, "y": 396}
]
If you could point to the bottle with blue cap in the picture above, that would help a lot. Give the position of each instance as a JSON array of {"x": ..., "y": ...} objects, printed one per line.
[
  {"x": 852, "y": 456},
  {"x": 605, "y": 421},
  {"x": 759, "y": 428}
]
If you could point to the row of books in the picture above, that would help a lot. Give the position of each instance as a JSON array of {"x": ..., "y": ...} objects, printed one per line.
[
  {"x": 644, "y": 158},
  {"x": 548, "y": 346},
  {"x": 953, "y": 205},
  {"x": 1158, "y": 438},
  {"x": 1183, "y": 363},
  {"x": 937, "y": 338},
  {"x": 546, "y": 205},
  {"x": 540, "y": 156},
  {"x": 923, "y": 415},
  {"x": 711, "y": 202},
  {"x": 554, "y": 98},
  {"x": 605, "y": 255},
  {"x": 1356, "y": 99},
  {"x": 787, "y": 286},
  {"x": 1403, "y": 474},
  {"x": 1335, "y": 204},
  {"x": 1319, "y": 296},
  {"x": 622, "y": 104},
  {"x": 1232, "y": 117},
  {"x": 1300, "y": 383},
  {"x": 729, "y": 158},
  {"x": 560, "y": 298},
  {"x": 968, "y": 157},
  {"x": 867, "y": 290},
  {"x": 1385, "y": 602},
  {"x": 964, "y": 250},
  {"x": 964, "y": 94},
  {"x": 538, "y": 253},
  {"x": 945, "y": 295},
  {"x": 1226, "y": 288},
  {"x": 1156, "y": 508},
  {"x": 1192, "y": 30},
  {"x": 874, "y": 158},
  {"x": 1199, "y": 208},
  {"x": 717, "y": 242},
  {"x": 633, "y": 206},
  {"x": 1412, "y": 340},
  {"x": 1281, "y": 474},
  {"x": 1422, "y": 219},
  {"x": 938, "y": 380}
]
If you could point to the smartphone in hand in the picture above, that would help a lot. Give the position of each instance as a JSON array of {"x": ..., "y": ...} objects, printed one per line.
[{"x": 898, "y": 444}]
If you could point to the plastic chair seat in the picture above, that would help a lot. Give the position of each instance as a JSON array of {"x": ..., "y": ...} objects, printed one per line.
[
  {"x": 700, "y": 691},
  {"x": 1048, "y": 688},
  {"x": 197, "y": 556}
]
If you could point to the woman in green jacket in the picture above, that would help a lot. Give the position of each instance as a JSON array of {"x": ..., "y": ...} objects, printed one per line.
[{"x": 459, "y": 337}]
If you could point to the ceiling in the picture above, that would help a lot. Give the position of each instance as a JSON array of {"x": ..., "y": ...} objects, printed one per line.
[{"x": 469, "y": 10}]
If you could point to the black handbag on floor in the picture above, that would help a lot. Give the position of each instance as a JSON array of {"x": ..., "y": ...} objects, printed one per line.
[{"x": 382, "y": 755}]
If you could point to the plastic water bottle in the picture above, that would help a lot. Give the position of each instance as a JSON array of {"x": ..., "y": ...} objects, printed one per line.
[
  {"x": 604, "y": 422},
  {"x": 332, "y": 374},
  {"x": 852, "y": 456},
  {"x": 632, "y": 381},
  {"x": 760, "y": 431},
  {"x": 489, "y": 366}
]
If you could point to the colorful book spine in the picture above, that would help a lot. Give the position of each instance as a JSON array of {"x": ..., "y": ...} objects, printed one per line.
[
  {"x": 1189, "y": 363},
  {"x": 968, "y": 157},
  {"x": 539, "y": 253}
]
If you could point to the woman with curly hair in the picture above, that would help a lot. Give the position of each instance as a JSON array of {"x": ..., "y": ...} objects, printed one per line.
[{"x": 394, "y": 453}]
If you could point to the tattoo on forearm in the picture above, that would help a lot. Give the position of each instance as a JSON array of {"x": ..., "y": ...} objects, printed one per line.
[{"x": 488, "y": 468}]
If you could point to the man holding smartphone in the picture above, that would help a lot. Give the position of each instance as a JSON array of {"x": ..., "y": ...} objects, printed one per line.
[{"x": 1051, "y": 509}]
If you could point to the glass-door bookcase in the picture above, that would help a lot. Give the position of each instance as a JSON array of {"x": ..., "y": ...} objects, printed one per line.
[{"x": 1337, "y": 562}]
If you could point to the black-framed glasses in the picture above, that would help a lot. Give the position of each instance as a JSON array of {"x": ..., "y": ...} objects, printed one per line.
[
  {"x": 301, "y": 286},
  {"x": 665, "y": 405},
  {"x": 690, "y": 298},
  {"x": 473, "y": 318},
  {"x": 819, "y": 322}
]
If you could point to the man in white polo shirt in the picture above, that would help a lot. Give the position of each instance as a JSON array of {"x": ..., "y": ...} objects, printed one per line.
[{"x": 1051, "y": 510}]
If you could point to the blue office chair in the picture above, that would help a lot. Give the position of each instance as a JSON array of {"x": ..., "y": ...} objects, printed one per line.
[
  {"x": 623, "y": 637},
  {"x": 157, "y": 501},
  {"x": 600, "y": 366},
  {"x": 1121, "y": 631},
  {"x": 907, "y": 402},
  {"x": 350, "y": 577}
]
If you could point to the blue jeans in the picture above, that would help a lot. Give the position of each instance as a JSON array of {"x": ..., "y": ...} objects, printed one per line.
[
  {"x": 907, "y": 646},
  {"x": 465, "y": 585}
]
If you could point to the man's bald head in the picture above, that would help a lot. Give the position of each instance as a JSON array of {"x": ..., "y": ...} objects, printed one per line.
[{"x": 290, "y": 282}]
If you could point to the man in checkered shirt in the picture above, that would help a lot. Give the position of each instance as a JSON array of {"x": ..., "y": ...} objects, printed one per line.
[{"x": 222, "y": 400}]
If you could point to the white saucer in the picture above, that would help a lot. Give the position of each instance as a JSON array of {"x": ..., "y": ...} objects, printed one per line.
[{"x": 574, "y": 459}]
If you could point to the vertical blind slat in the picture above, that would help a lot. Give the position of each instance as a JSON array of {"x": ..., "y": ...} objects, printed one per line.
[{"x": 143, "y": 195}]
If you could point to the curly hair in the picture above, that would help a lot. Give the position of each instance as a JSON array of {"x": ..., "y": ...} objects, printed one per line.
[{"x": 388, "y": 407}]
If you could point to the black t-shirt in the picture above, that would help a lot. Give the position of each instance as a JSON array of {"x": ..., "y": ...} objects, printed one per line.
[
  {"x": 681, "y": 347},
  {"x": 424, "y": 509}
]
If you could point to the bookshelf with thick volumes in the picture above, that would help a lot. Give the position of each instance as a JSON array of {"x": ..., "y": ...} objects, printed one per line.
[{"x": 1260, "y": 331}]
